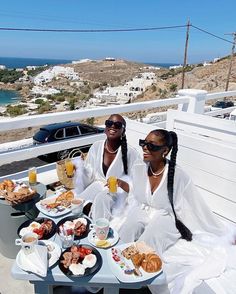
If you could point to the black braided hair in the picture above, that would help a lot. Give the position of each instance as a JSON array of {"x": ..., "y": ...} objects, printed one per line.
[
  {"x": 171, "y": 141},
  {"x": 124, "y": 151}
]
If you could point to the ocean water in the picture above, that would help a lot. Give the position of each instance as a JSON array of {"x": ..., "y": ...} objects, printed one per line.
[
  {"x": 7, "y": 97},
  {"x": 15, "y": 62},
  {"x": 160, "y": 64}
]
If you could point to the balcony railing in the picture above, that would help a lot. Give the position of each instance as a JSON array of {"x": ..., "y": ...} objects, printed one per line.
[{"x": 189, "y": 100}]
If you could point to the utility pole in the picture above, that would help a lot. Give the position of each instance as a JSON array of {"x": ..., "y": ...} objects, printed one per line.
[
  {"x": 185, "y": 53},
  {"x": 231, "y": 60}
]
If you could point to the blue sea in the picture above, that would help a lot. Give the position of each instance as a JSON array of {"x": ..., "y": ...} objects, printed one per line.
[
  {"x": 16, "y": 62},
  {"x": 7, "y": 97},
  {"x": 160, "y": 64}
]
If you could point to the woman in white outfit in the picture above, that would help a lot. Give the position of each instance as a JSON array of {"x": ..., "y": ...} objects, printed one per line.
[
  {"x": 167, "y": 207},
  {"x": 110, "y": 157}
]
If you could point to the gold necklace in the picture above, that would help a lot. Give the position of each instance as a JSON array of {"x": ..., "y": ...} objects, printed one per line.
[
  {"x": 109, "y": 151},
  {"x": 155, "y": 175}
]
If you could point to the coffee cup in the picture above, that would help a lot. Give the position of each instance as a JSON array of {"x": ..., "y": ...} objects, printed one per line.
[
  {"x": 77, "y": 206},
  {"x": 27, "y": 242},
  {"x": 101, "y": 227}
]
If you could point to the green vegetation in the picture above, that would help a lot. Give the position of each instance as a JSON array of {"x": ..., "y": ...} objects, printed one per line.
[
  {"x": 16, "y": 110},
  {"x": 9, "y": 76},
  {"x": 173, "y": 87},
  {"x": 44, "y": 107},
  {"x": 38, "y": 70}
]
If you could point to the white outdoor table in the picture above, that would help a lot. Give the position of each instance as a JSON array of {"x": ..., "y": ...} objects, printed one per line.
[{"x": 104, "y": 278}]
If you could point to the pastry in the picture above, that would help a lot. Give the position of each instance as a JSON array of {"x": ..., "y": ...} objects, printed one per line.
[
  {"x": 129, "y": 251},
  {"x": 151, "y": 263},
  {"x": 137, "y": 259}
]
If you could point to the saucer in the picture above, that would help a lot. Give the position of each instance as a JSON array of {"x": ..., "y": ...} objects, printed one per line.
[{"x": 111, "y": 240}]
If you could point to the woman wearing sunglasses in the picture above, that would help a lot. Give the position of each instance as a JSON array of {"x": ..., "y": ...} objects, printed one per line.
[
  {"x": 109, "y": 157},
  {"x": 166, "y": 205},
  {"x": 167, "y": 211}
]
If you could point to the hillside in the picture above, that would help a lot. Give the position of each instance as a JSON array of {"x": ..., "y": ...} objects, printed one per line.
[{"x": 211, "y": 78}]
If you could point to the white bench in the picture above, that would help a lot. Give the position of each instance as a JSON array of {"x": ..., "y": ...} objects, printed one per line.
[{"x": 207, "y": 151}]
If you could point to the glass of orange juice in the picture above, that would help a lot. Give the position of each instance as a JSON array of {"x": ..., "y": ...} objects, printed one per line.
[
  {"x": 112, "y": 182},
  {"x": 69, "y": 167},
  {"x": 32, "y": 175}
]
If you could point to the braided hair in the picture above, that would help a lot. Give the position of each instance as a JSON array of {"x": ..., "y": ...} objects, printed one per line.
[
  {"x": 124, "y": 151},
  {"x": 171, "y": 141}
]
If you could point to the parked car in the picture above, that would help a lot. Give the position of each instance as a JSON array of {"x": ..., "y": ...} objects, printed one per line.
[
  {"x": 222, "y": 104},
  {"x": 62, "y": 131}
]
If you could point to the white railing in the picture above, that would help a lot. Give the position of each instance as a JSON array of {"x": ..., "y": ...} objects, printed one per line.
[{"x": 189, "y": 100}]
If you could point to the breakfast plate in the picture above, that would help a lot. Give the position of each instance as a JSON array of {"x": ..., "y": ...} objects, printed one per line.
[
  {"x": 111, "y": 240},
  {"x": 54, "y": 251},
  {"x": 44, "y": 227},
  {"x": 88, "y": 262},
  {"x": 124, "y": 268},
  {"x": 69, "y": 223},
  {"x": 46, "y": 206}
]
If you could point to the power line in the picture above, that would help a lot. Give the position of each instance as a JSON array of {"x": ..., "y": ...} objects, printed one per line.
[
  {"x": 213, "y": 35},
  {"x": 89, "y": 30}
]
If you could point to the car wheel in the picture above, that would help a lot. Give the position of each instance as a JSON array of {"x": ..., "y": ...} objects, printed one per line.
[{"x": 62, "y": 154}]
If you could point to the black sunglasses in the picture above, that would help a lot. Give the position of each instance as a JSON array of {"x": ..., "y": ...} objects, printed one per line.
[
  {"x": 150, "y": 146},
  {"x": 117, "y": 124}
]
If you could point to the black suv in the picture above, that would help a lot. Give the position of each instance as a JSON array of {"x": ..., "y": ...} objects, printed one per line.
[
  {"x": 62, "y": 131},
  {"x": 223, "y": 104}
]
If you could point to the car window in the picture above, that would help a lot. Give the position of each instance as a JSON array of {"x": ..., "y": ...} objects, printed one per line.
[
  {"x": 59, "y": 134},
  {"x": 72, "y": 131},
  {"x": 86, "y": 129}
]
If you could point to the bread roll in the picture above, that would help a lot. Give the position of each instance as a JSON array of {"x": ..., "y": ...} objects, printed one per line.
[{"x": 151, "y": 263}]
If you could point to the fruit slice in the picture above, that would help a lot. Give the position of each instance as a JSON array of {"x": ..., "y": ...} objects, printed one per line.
[{"x": 103, "y": 243}]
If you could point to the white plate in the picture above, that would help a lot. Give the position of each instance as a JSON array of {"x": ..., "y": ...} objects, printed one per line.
[
  {"x": 113, "y": 238},
  {"x": 119, "y": 272},
  {"x": 53, "y": 212},
  {"x": 55, "y": 254}
]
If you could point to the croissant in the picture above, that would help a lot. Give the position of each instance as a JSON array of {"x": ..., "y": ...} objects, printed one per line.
[
  {"x": 137, "y": 259},
  {"x": 151, "y": 263}
]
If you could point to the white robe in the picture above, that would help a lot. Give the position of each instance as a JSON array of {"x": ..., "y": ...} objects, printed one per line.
[
  {"x": 90, "y": 180},
  {"x": 150, "y": 218}
]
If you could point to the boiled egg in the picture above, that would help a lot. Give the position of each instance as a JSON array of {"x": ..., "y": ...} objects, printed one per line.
[
  {"x": 29, "y": 229},
  {"x": 89, "y": 260},
  {"x": 77, "y": 269}
]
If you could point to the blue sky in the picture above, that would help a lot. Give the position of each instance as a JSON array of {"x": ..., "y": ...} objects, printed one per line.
[{"x": 215, "y": 16}]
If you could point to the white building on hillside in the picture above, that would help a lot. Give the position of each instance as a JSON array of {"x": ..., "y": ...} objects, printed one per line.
[
  {"x": 55, "y": 72},
  {"x": 122, "y": 94}
]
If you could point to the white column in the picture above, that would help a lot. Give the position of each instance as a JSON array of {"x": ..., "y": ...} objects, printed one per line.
[{"x": 196, "y": 100}]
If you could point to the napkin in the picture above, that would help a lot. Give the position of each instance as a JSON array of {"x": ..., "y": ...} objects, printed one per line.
[{"x": 35, "y": 262}]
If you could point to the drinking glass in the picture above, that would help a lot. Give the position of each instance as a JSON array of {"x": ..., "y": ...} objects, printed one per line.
[
  {"x": 32, "y": 175},
  {"x": 69, "y": 168},
  {"x": 112, "y": 181}
]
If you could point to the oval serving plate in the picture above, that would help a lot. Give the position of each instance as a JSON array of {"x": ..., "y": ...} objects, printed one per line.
[
  {"x": 71, "y": 218},
  {"x": 88, "y": 271},
  {"x": 39, "y": 220}
]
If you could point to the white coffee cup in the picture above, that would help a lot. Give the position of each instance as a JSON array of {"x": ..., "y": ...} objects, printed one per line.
[
  {"x": 101, "y": 227},
  {"x": 77, "y": 206},
  {"x": 27, "y": 242}
]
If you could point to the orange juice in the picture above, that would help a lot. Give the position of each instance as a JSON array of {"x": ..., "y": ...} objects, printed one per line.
[
  {"x": 112, "y": 181},
  {"x": 32, "y": 174},
  {"x": 69, "y": 168}
]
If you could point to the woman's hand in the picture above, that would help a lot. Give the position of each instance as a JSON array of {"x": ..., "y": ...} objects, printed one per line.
[{"x": 123, "y": 185}]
